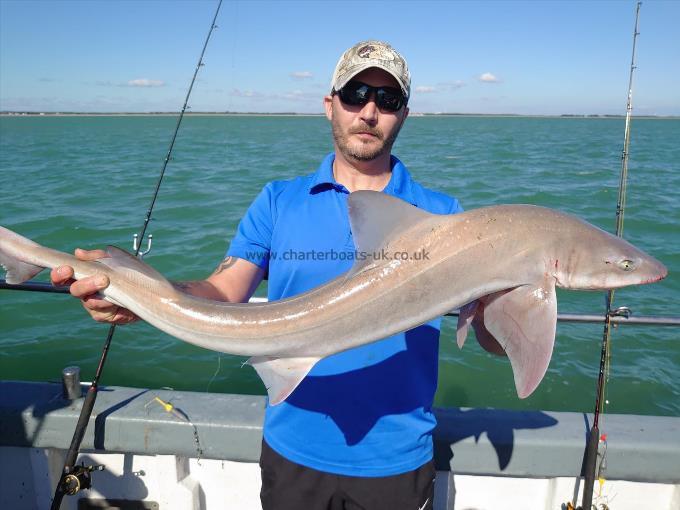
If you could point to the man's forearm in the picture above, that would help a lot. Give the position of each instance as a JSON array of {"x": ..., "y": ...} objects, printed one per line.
[
  {"x": 234, "y": 281},
  {"x": 201, "y": 288}
]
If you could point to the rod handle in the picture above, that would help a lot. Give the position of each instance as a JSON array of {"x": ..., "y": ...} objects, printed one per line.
[{"x": 589, "y": 467}]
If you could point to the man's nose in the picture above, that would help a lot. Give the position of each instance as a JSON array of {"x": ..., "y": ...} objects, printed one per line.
[{"x": 369, "y": 113}]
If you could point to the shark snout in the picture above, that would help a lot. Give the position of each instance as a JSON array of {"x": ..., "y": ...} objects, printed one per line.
[
  {"x": 645, "y": 269},
  {"x": 657, "y": 271},
  {"x": 632, "y": 266}
]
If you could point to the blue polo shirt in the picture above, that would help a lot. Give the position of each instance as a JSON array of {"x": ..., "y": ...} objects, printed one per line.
[{"x": 361, "y": 412}]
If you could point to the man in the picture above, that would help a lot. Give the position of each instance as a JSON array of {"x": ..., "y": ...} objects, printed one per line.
[{"x": 356, "y": 433}]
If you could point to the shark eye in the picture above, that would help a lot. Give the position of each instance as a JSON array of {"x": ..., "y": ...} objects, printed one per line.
[{"x": 626, "y": 265}]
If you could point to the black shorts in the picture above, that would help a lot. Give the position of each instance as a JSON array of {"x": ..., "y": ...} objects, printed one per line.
[{"x": 290, "y": 486}]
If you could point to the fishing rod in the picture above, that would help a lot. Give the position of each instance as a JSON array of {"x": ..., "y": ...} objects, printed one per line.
[
  {"x": 590, "y": 460},
  {"x": 74, "y": 478},
  {"x": 622, "y": 316}
]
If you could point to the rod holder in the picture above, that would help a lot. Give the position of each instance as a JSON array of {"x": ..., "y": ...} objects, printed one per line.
[
  {"x": 135, "y": 244},
  {"x": 70, "y": 383}
]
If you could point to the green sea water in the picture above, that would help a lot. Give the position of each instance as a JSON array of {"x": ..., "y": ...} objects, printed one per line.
[{"x": 87, "y": 181}]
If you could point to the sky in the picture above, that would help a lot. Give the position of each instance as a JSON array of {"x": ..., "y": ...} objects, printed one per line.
[{"x": 491, "y": 57}]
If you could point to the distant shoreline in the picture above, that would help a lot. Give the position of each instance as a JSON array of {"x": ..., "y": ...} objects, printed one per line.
[{"x": 293, "y": 114}]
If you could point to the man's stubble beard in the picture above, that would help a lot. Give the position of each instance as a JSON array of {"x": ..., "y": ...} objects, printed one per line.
[{"x": 361, "y": 151}]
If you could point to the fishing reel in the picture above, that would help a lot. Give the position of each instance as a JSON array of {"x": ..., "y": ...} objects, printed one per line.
[
  {"x": 78, "y": 479},
  {"x": 569, "y": 506}
]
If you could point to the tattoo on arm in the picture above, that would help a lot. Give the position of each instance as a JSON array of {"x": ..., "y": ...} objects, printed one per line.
[
  {"x": 200, "y": 288},
  {"x": 186, "y": 286},
  {"x": 203, "y": 288},
  {"x": 225, "y": 264}
]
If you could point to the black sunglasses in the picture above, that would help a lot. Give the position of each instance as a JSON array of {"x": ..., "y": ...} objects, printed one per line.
[{"x": 356, "y": 93}]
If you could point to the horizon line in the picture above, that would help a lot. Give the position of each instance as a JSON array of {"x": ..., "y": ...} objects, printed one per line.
[{"x": 14, "y": 113}]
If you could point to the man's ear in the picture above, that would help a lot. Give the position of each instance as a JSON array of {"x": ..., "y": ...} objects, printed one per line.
[
  {"x": 403, "y": 119},
  {"x": 328, "y": 106}
]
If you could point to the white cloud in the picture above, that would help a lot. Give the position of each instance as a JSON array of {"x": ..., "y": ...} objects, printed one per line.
[
  {"x": 145, "y": 82},
  {"x": 443, "y": 86},
  {"x": 246, "y": 93},
  {"x": 425, "y": 89},
  {"x": 293, "y": 95},
  {"x": 451, "y": 85},
  {"x": 488, "y": 78},
  {"x": 301, "y": 75},
  {"x": 299, "y": 95}
]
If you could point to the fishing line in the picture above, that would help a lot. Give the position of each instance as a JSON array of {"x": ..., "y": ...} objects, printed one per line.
[
  {"x": 590, "y": 460},
  {"x": 217, "y": 371},
  {"x": 74, "y": 478}
]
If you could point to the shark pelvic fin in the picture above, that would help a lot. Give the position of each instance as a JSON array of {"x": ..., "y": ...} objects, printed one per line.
[
  {"x": 523, "y": 321},
  {"x": 281, "y": 375},
  {"x": 375, "y": 218}
]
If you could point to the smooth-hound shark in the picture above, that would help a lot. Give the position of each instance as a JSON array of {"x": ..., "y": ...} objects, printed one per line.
[{"x": 500, "y": 264}]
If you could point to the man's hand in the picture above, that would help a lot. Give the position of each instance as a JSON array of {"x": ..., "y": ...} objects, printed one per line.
[
  {"x": 86, "y": 290},
  {"x": 233, "y": 281}
]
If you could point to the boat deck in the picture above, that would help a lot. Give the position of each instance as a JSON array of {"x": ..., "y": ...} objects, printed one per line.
[{"x": 484, "y": 457}]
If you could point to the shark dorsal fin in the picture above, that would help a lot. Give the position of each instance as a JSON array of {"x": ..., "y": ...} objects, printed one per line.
[
  {"x": 127, "y": 263},
  {"x": 375, "y": 219}
]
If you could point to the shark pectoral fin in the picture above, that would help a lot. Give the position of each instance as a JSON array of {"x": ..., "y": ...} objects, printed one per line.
[
  {"x": 523, "y": 320},
  {"x": 465, "y": 316},
  {"x": 281, "y": 375}
]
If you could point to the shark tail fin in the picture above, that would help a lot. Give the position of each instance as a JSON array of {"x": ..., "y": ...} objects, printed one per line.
[
  {"x": 17, "y": 271},
  {"x": 281, "y": 375}
]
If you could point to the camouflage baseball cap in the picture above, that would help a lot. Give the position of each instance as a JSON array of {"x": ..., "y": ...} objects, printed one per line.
[{"x": 367, "y": 54}]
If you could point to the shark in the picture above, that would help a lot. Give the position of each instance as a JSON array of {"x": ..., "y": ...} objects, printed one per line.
[{"x": 499, "y": 264}]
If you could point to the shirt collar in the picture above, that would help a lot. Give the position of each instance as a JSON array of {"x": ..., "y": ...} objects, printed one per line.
[
  {"x": 323, "y": 179},
  {"x": 399, "y": 184}
]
